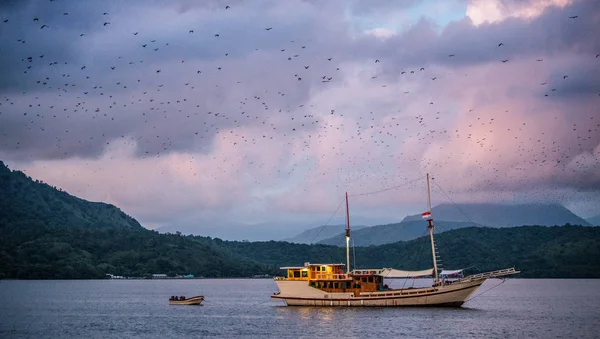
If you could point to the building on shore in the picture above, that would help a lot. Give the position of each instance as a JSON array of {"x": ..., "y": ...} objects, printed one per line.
[
  {"x": 112, "y": 276},
  {"x": 159, "y": 276}
]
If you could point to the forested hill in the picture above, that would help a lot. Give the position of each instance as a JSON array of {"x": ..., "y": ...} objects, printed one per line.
[
  {"x": 78, "y": 252},
  {"x": 25, "y": 203},
  {"x": 91, "y": 253}
]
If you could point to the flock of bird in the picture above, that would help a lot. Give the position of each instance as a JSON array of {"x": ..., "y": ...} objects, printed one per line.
[{"x": 263, "y": 101}]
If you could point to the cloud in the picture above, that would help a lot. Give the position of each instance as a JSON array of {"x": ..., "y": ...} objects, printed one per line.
[
  {"x": 490, "y": 11},
  {"x": 297, "y": 102}
]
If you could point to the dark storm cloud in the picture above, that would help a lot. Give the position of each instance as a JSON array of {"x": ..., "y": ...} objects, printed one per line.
[
  {"x": 102, "y": 113},
  {"x": 160, "y": 112},
  {"x": 553, "y": 32}
]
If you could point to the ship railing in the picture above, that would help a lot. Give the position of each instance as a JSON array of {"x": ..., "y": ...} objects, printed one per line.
[
  {"x": 492, "y": 274},
  {"x": 325, "y": 276}
]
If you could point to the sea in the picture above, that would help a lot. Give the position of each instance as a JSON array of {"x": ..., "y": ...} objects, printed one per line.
[{"x": 241, "y": 308}]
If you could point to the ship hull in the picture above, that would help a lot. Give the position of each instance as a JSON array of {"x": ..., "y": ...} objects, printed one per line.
[
  {"x": 298, "y": 293},
  {"x": 189, "y": 301}
]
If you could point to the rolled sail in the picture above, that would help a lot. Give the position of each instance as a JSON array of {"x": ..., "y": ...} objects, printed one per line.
[{"x": 393, "y": 273}]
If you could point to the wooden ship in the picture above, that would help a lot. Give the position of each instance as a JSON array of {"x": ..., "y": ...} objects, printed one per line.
[{"x": 332, "y": 285}]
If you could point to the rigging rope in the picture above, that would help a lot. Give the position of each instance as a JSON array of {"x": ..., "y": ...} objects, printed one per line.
[
  {"x": 455, "y": 204},
  {"x": 387, "y": 189},
  {"x": 492, "y": 254},
  {"x": 331, "y": 217},
  {"x": 489, "y": 289},
  {"x": 361, "y": 194}
]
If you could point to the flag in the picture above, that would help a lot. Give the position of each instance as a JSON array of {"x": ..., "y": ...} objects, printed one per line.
[{"x": 426, "y": 215}]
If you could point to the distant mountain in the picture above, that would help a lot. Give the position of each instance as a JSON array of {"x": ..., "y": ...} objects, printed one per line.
[
  {"x": 315, "y": 235},
  {"x": 385, "y": 234},
  {"x": 235, "y": 230},
  {"x": 594, "y": 220},
  {"x": 278, "y": 229},
  {"x": 501, "y": 215},
  {"x": 25, "y": 203}
]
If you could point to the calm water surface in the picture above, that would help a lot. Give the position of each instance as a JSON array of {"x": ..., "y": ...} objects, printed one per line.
[{"x": 241, "y": 308}]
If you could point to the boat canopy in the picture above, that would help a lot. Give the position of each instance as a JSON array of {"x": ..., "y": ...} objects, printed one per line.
[
  {"x": 451, "y": 272},
  {"x": 393, "y": 273}
]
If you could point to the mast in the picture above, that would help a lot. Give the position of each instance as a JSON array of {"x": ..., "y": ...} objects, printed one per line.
[
  {"x": 347, "y": 237},
  {"x": 431, "y": 227}
]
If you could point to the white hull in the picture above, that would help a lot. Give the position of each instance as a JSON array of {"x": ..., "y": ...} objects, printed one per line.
[{"x": 298, "y": 293}]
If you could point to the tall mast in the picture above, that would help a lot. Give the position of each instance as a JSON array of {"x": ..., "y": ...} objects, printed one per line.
[
  {"x": 430, "y": 226},
  {"x": 347, "y": 237}
]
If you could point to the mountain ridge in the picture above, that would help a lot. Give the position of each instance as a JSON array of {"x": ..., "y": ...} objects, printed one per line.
[
  {"x": 390, "y": 233},
  {"x": 503, "y": 215},
  {"x": 317, "y": 234},
  {"x": 454, "y": 216}
]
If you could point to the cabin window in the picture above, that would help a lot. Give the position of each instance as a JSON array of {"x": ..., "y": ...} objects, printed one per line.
[
  {"x": 363, "y": 279},
  {"x": 335, "y": 285},
  {"x": 371, "y": 279},
  {"x": 304, "y": 274},
  {"x": 296, "y": 274},
  {"x": 378, "y": 279}
]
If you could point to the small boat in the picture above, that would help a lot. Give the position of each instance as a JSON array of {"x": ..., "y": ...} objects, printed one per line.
[
  {"x": 175, "y": 300},
  {"x": 331, "y": 285}
]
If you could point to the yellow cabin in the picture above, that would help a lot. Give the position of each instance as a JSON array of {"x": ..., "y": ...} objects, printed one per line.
[{"x": 333, "y": 278}]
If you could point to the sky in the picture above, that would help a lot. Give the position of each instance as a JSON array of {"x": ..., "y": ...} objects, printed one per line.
[{"x": 251, "y": 119}]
